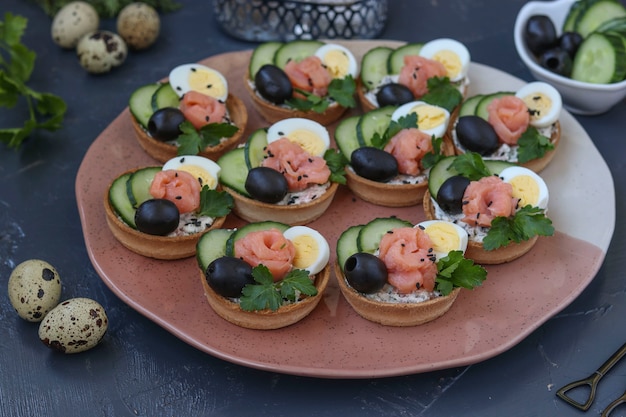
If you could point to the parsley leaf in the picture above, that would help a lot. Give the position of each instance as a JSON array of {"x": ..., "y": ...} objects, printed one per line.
[
  {"x": 442, "y": 93},
  {"x": 215, "y": 203},
  {"x": 431, "y": 158},
  {"x": 267, "y": 294},
  {"x": 405, "y": 122},
  {"x": 454, "y": 270},
  {"x": 340, "y": 90},
  {"x": 336, "y": 162},
  {"x": 192, "y": 141},
  {"x": 471, "y": 166},
  {"x": 46, "y": 111},
  {"x": 524, "y": 224},
  {"x": 532, "y": 145}
]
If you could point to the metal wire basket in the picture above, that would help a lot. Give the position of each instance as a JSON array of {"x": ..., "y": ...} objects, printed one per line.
[{"x": 286, "y": 20}]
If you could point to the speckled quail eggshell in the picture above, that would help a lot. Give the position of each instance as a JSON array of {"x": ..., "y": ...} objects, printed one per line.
[
  {"x": 72, "y": 22},
  {"x": 100, "y": 51},
  {"x": 34, "y": 289},
  {"x": 139, "y": 25},
  {"x": 75, "y": 325}
]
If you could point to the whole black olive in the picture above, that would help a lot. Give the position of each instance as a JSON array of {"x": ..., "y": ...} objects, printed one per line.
[
  {"x": 394, "y": 94},
  {"x": 273, "y": 84},
  {"x": 157, "y": 217},
  {"x": 228, "y": 275},
  {"x": 164, "y": 124},
  {"x": 569, "y": 42},
  {"x": 540, "y": 34},
  {"x": 266, "y": 185},
  {"x": 374, "y": 164},
  {"x": 450, "y": 194},
  {"x": 557, "y": 60},
  {"x": 365, "y": 272},
  {"x": 477, "y": 135}
]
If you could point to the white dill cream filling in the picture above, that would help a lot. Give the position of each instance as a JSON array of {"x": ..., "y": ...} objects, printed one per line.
[
  {"x": 307, "y": 195},
  {"x": 388, "y": 294},
  {"x": 191, "y": 223}
]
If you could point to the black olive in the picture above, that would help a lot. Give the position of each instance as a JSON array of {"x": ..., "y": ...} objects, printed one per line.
[
  {"x": 365, "y": 272},
  {"x": 557, "y": 60},
  {"x": 394, "y": 94},
  {"x": 273, "y": 84},
  {"x": 228, "y": 275},
  {"x": 157, "y": 217},
  {"x": 540, "y": 34},
  {"x": 569, "y": 42},
  {"x": 266, "y": 185},
  {"x": 374, "y": 164},
  {"x": 450, "y": 194},
  {"x": 477, "y": 135},
  {"x": 164, "y": 124}
]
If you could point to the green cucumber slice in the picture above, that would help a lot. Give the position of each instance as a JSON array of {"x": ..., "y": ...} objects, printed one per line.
[
  {"x": 164, "y": 96},
  {"x": 569, "y": 25},
  {"x": 395, "y": 62},
  {"x": 296, "y": 51},
  {"x": 346, "y": 244},
  {"x": 481, "y": 107},
  {"x": 369, "y": 236},
  {"x": 374, "y": 67},
  {"x": 234, "y": 170},
  {"x": 262, "y": 54},
  {"x": 118, "y": 197},
  {"x": 468, "y": 107},
  {"x": 251, "y": 227},
  {"x": 212, "y": 245},
  {"x": 617, "y": 25},
  {"x": 138, "y": 185},
  {"x": 601, "y": 59},
  {"x": 596, "y": 14},
  {"x": 346, "y": 136},
  {"x": 140, "y": 103},
  {"x": 372, "y": 123},
  {"x": 254, "y": 149}
]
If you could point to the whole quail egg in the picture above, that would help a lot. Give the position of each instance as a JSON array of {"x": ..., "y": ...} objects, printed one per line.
[
  {"x": 138, "y": 24},
  {"x": 34, "y": 289},
  {"x": 100, "y": 51},
  {"x": 72, "y": 22},
  {"x": 73, "y": 326}
]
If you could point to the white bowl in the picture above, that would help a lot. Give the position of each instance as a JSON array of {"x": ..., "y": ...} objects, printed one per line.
[{"x": 578, "y": 97}]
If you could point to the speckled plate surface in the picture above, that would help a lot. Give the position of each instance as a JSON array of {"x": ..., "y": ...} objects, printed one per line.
[{"x": 333, "y": 341}]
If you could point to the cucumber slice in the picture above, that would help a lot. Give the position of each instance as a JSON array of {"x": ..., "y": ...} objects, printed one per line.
[
  {"x": 496, "y": 167},
  {"x": 369, "y": 236},
  {"x": 617, "y": 25},
  {"x": 569, "y": 25},
  {"x": 374, "y": 67},
  {"x": 372, "y": 123},
  {"x": 140, "y": 103},
  {"x": 251, "y": 227},
  {"x": 118, "y": 197},
  {"x": 138, "y": 185},
  {"x": 263, "y": 54},
  {"x": 481, "y": 107},
  {"x": 234, "y": 170},
  {"x": 596, "y": 14},
  {"x": 295, "y": 50},
  {"x": 601, "y": 59},
  {"x": 212, "y": 245},
  {"x": 395, "y": 62},
  {"x": 254, "y": 149},
  {"x": 346, "y": 137},
  {"x": 468, "y": 107},
  {"x": 164, "y": 96},
  {"x": 346, "y": 244}
]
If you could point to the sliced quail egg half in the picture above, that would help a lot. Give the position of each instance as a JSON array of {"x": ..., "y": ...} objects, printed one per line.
[
  {"x": 529, "y": 187},
  {"x": 205, "y": 170},
  {"x": 310, "y": 135},
  {"x": 312, "y": 249},
  {"x": 338, "y": 59},
  {"x": 431, "y": 119},
  {"x": 454, "y": 56},
  {"x": 199, "y": 78},
  {"x": 446, "y": 236},
  {"x": 543, "y": 101}
]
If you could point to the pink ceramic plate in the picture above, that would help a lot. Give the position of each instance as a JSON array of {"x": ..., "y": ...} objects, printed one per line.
[{"x": 334, "y": 342}]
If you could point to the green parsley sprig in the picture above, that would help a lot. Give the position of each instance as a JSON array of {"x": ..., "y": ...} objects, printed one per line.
[
  {"x": 192, "y": 141},
  {"x": 336, "y": 162},
  {"x": 454, "y": 270},
  {"x": 442, "y": 93},
  {"x": 267, "y": 294},
  {"x": 523, "y": 225},
  {"x": 470, "y": 165},
  {"x": 340, "y": 90},
  {"x": 532, "y": 145},
  {"x": 46, "y": 111},
  {"x": 214, "y": 203}
]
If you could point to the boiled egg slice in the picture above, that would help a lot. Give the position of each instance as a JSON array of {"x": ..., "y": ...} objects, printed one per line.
[
  {"x": 445, "y": 236},
  {"x": 454, "y": 56},
  {"x": 529, "y": 187},
  {"x": 338, "y": 59},
  {"x": 431, "y": 119},
  {"x": 312, "y": 249},
  {"x": 199, "y": 78},
  {"x": 543, "y": 101},
  {"x": 205, "y": 170},
  {"x": 310, "y": 135}
]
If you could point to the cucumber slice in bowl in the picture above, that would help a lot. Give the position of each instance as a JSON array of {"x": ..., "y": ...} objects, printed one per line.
[{"x": 601, "y": 59}]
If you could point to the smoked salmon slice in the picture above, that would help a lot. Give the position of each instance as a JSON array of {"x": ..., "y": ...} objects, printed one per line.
[
  {"x": 180, "y": 187},
  {"x": 409, "y": 146},
  {"x": 487, "y": 199},
  {"x": 416, "y": 72},
  {"x": 269, "y": 248},
  {"x": 309, "y": 75},
  {"x": 407, "y": 254},
  {"x": 509, "y": 117},
  {"x": 201, "y": 109}
]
